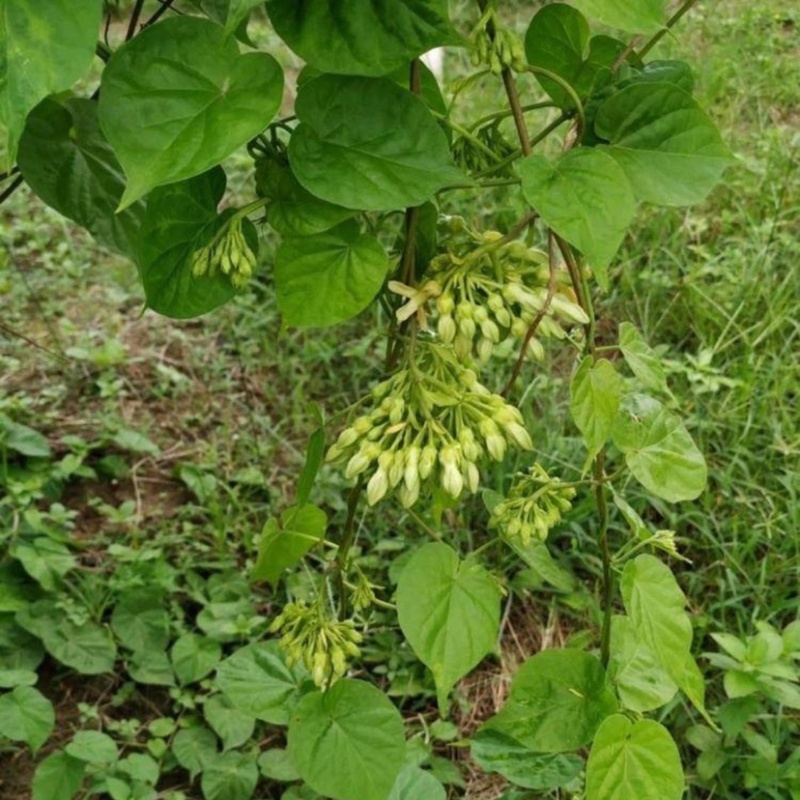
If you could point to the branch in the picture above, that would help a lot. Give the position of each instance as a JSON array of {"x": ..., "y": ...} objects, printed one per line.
[
  {"x": 15, "y": 184},
  {"x": 671, "y": 22},
  {"x": 165, "y": 6},
  {"x": 537, "y": 320},
  {"x": 134, "y": 21}
]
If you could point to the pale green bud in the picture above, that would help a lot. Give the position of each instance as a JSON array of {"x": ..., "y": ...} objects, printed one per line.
[
  {"x": 463, "y": 346},
  {"x": 408, "y": 496},
  {"x": 378, "y": 486},
  {"x": 467, "y": 328},
  {"x": 568, "y": 309},
  {"x": 519, "y": 327},
  {"x": 452, "y": 481},
  {"x": 447, "y": 328},
  {"x": 427, "y": 460},
  {"x": 484, "y": 350},
  {"x": 445, "y": 303},
  {"x": 464, "y": 311},
  {"x": 480, "y": 314},
  {"x": 535, "y": 350},
  {"x": 490, "y": 330},
  {"x": 519, "y": 436},
  {"x": 472, "y": 476}
]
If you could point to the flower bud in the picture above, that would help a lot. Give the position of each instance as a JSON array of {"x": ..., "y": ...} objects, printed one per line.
[
  {"x": 535, "y": 350},
  {"x": 472, "y": 476},
  {"x": 378, "y": 486},
  {"x": 467, "y": 329},
  {"x": 408, "y": 496},
  {"x": 445, "y": 303},
  {"x": 447, "y": 328},
  {"x": 452, "y": 482},
  {"x": 484, "y": 350},
  {"x": 427, "y": 460},
  {"x": 490, "y": 330},
  {"x": 480, "y": 314},
  {"x": 519, "y": 436}
]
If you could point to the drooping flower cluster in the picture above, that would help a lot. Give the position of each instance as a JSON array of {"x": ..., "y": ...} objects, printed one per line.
[
  {"x": 432, "y": 424},
  {"x": 229, "y": 252},
  {"x": 534, "y": 505},
  {"x": 493, "y": 292},
  {"x": 322, "y": 643}
]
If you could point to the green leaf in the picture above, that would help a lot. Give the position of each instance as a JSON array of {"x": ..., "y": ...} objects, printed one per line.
[
  {"x": 642, "y": 359},
  {"x": 44, "y": 560},
  {"x": 44, "y": 48},
  {"x": 17, "y": 590},
  {"x": 257, "y": 681},
  {"x": 26, "y": 715},
  {"x": 357, "y": 38},
  {"x": 595, "y": 394},
  {"x": 230, "y": 776},
  {"x": 666, "y": 144},
  {"x": 276, "y": 764},
  {"x": 328, "y": 278},
  {"x": 58, "y": 777},
  {"x": 22, "y": 439},
  {"x": 678, "y": 73},
  {"x": 557, "y": 701},
  {"x": 194, "y": 749},
  {"x": 395, "y": 156},
  {"x": 179, "y": 98},
  {"x": 633, "y": 760},
  {"x": 642, "y": 683},
  {"x": 449, "y": 610},
  {"x": 634, "y": 16},
  {"x": 232, "y": 726},
  {"x": 558, "y": 40},
  {"x": 151, "y": 667},
  {"x": 140, "y": 767},
  {"x": 9, "y": 678},
  {"x": 93, "y": 747},
  {"x": 18, "y": 649},
  {"x": 584, "y": 197},
  {"x": 538, "y": 558},
  {"x": 315, "y": 453},
  {"x": 140, "y": 620},
  {"x": 69, "y": 164},
  {"x": 181, "y": 219},
  {"x": 496, "y": 752},
  {"x": 193, "y": 657},
  {"x": 655, "y": 605},
  {"x": 414, "y": 783},
  {"x": 87, "y": 648},
  {"x": 348, "y": 743},
  {"x": 659, "y": 450},
  {"x": 294, "y": 211},
  {"x": 135, "y": 442},
  {"x": 282, "y": 546}
]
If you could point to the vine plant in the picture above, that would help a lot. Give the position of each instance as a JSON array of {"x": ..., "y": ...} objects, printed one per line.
[{"x": 351, "y": 181}]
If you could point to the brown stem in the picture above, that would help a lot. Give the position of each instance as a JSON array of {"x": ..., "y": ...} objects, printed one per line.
[
  {"x": 671, "y": 22},
  {"x": 13, "y": 186},
  {"x": 348, "y": 536},
  {"x": 532, "y": 328},
  {"x": 134, "y": 21},
  {"x": 511, "y": 91},
  {"x": 165, "y": 6}
]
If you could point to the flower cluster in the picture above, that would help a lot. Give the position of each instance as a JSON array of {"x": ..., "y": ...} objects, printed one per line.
[
  {"x": 432, "y": 423},
  {"x": 323, "y": 644},
  {"x": 493, "y": 293},
  {"x": 230, "y": 252},
  {"x": 534, "y": 505}
]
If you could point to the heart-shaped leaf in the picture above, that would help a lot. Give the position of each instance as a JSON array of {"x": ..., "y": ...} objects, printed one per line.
[
  {"x": 633, "y": 760},
  {"x": 659, "y": 450},
  {"x": 557, "y": 40},
  {"x": 352, "y": 37},
  {"x": 348, "y": 743},
  {"x": 179, "y": 98},
  {"x": 69, "y": 164},
  {"x": 393, "y": 157},
  {"x": 667, "y": 145},
  {"x": 180, "y": 219},
  {"x": 558, "y": 700},
  {"x": 585, "y": 197},
  {"x": 328, "y": 278},
  {"x": 44, "y": 48},
  {"x": 257, "y": 682},
  {"x": 449, "y": 610},
  {"x": 595, "y": 394},
  {"x": 283, "y": 545},
  {"x": 26, "y": 715}
]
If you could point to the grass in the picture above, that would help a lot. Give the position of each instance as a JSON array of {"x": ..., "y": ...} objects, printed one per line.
[{"x": 225, "y": 404}]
